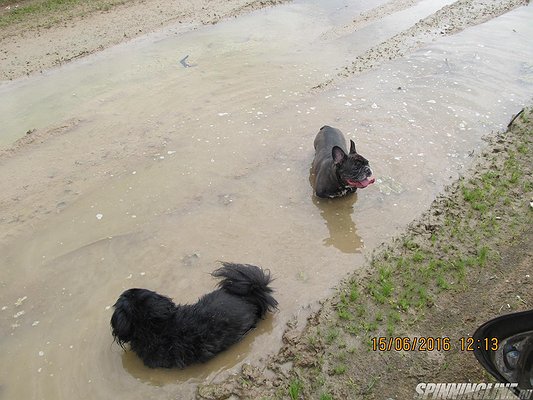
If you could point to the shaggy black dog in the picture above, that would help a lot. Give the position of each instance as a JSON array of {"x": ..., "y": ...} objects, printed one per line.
[{"x": 167, "y": 335}]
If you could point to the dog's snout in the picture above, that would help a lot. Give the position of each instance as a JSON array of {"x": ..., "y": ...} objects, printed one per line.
[{"x": 368, "y": 171}]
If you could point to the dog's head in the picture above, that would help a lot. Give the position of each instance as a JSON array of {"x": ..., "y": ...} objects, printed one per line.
[
  {"x": 352, "y": 169},
  {"x": 139, "y": 310}
]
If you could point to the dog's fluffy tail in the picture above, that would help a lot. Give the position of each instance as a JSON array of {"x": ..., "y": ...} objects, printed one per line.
[{"x": 247, "y": 281}]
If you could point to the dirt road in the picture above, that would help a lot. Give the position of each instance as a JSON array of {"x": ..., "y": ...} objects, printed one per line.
[{"x": 138, "y": 170}]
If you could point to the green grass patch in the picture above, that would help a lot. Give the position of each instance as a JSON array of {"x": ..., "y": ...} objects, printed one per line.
[
  {"x": 52, "y": 11},
  {"x": 295, "y": 388},
  {"x": 339, "y": 369},
  {"x": 331, "y": 335}
]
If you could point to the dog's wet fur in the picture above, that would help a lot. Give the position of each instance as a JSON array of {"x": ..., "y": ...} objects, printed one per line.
[
  {"x": 167, "y": 335},
  {"x": 336, "y": 171}
]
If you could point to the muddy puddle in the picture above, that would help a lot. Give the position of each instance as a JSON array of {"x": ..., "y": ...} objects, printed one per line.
[{"x": 173, "y": 163}]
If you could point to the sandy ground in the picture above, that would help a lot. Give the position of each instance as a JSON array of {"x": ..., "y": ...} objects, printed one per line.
[{"x": 51, "y": 39}]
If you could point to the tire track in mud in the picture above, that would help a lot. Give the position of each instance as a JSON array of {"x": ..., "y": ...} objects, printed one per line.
[
  {"x": 448, "y": 20},
  {"x": 369, "y": 16}
]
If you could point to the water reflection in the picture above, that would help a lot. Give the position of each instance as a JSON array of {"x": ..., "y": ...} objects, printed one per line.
[
  {"x": 198, "y": 372},
  {"x": 337, "y": 214}
]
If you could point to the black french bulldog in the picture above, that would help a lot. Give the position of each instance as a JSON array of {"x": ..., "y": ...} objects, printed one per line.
[{"x": 337, "y": 173}]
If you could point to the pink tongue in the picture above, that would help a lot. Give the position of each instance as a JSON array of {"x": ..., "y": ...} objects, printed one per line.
[{"x": 361, "y": 184}]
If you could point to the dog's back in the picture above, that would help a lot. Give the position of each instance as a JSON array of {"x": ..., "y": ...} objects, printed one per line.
[
  {"x": 167, "y": 335},
  {"x": 323, "y": 171},
  {"x": 249, "y": 282},
  {"x": 328, "y": 137}
]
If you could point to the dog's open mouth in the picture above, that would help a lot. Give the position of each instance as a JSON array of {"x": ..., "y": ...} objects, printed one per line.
[{"x": 361, "y": 184}]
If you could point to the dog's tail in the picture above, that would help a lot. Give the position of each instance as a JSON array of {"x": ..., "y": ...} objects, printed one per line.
[{"x": 250, "y": 282}]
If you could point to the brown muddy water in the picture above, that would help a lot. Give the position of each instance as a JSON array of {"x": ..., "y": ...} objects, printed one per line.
[{"x": 211, "y": 162}]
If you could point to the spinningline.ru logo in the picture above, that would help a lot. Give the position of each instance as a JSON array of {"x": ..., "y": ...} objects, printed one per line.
[{"x": 467, "y": 391}]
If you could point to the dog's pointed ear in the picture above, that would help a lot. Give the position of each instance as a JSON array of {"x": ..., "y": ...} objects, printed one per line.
[
  {"x": 121, "y": 322},
  {"x": 338, "y": 155},
  {"x": 352, "y": 147}
]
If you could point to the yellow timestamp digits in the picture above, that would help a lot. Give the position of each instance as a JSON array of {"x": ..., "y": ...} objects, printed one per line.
[
  {"x": 415, "y": 343},
  {"x": 428, "y": 343},
  {"x": 471, "y": 344}
]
